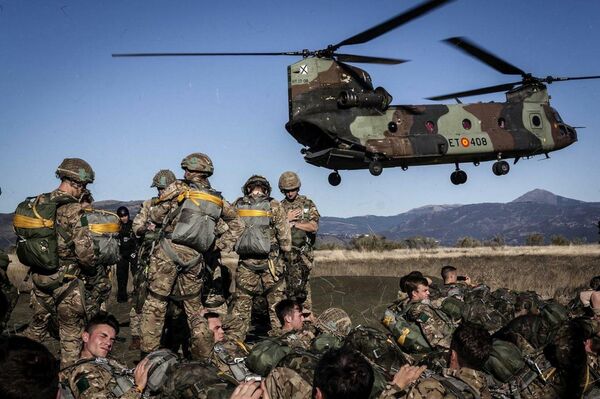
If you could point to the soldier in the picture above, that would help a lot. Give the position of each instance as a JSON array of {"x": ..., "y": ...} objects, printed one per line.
[
  {"x": 62, "y": 290},
  {"x": 95, "y": 375},
  {"x": 470, "y": 348},
  {"x": 342, "y": 373},
  {"x": 188, "y": 211},
  {"x": 265, "y": 241},
  {"x": 433, "y": 323},
  {"x": 8, "y": 293},
  {"x": 128, "y": 248},
  {"x": 454, "y": 285},
  {"x": 304, "y": 222},
  {"x": 293, "y": 329},
  {"x": 147, "y": 231}
]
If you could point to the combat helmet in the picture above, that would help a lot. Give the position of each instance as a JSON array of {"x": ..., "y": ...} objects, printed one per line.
[
  {"x": 289, "y": 181},
  {"x": 163, "y": 178},
  {"x": 198, "y": 162},
  {"x": 255, "y": 180},
  {"x": 334, "y": 321},
  {"x": 75, "y": 169}
]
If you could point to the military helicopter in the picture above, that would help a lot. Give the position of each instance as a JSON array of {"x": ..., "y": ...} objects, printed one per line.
[{"x": 344, "y": 123}]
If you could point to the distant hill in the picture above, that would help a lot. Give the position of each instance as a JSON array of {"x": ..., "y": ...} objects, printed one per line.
[{"x": 537, "y": 211}]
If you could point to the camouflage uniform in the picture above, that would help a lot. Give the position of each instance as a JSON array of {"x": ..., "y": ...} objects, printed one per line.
[
  {"x": 63, "y": 291},
  {"x": 262, "y": 276},
  {"x": 163, "y": 274},
  {"x": 285, "y": 383},
  {"x": 467, "y": 383},
  {"x": 295, "y": 338},
  {"x": 97, "y": 290},
  {"x": 433, "y": 323},
  {"x": 302, "y": 243},
  {"x": 90, "y": 380},
  {"x": 7, "y": 290}
]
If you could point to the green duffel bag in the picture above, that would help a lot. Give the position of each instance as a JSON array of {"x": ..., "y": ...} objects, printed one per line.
[
  {"x": 407, "y": 335},
  {"x": 324, "y": 342},
  {"x": 554, "y": 313},
  {"x": 453, "y": 308},
  {"x": 104, "y": 228},
  {"x": 505, "y": 361},
  {"x": 36, "y": 229},
  {"x": 265, "y": 355}
]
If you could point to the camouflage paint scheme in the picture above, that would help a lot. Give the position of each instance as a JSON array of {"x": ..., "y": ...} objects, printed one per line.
[{"x": 349, "y": 136}]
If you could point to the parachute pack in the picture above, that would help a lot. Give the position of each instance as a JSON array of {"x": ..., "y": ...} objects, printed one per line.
[
  {"x": 198, "y": 213},
  {"x": 37, "y": 231},
  {"x": 255, "y": 241},
  {"x": 408, "y": 335},
  {"x": 104, "y": 228},
  {"x": 266, "y": 354}
]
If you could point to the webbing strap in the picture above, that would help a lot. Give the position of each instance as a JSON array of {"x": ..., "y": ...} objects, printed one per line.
[
  {"x": 248, "y": 213},
  {"x": 101, "y": 228},
  {"x": 26, "y": 222},
  {"x": 194, "y": 196}
]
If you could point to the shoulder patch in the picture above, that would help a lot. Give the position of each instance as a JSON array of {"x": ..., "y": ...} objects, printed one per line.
[
  {"x": 82, "y": 384},
  {"x": 423, "y": 317}
]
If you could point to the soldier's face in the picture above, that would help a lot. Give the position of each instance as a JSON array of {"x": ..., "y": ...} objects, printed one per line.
[
  {"x": 421, "y": 293},
  {"x": 99, "y": 341},
  {"x": 291, "y": 194},
  {"x": 296, "y": 319},
  {"x": 216, "y": 326}
]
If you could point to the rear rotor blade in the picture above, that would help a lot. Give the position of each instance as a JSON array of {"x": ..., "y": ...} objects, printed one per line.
[
  {"x": 390, "y": 24},
  {"x": 550, "y": 79},
  {"x": 368, "y": 60},
  {"x": 483, "y": 90},
  {"x": 295, "y": 53},
  {"x": 484, "y": 56}
]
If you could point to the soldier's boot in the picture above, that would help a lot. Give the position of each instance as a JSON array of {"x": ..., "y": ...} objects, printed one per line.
[{"x": 135, "y": 343}]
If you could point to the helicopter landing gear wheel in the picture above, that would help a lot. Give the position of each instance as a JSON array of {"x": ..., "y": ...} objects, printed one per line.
[
  {"x": 334, "y": 178},
  {"x": 500, "y": 168},
  {"x": 458, "y": 177},
  {"x": 375, "y": 167}
]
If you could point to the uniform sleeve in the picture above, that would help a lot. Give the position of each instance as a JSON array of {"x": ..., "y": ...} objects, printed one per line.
[
  {"x": 235, "y": 226},
  {"x": 427, "y": 388},
  {"x": 282, "y": 227},
  {"x": 83, "y": 243},
  {"x": 204, "y": 336},
  {"x": 140, "y": 220},
  {"x": 313, "y": 213},
  {"x": 87, "y": 382},
  {"x": 432, "y": 326}
]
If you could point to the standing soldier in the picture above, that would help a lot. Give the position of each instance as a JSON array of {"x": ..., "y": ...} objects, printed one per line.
[
  {"x": 128, "y": 247},
  {"x": 265, "y": 241},
  {"x": 58, "y": 287},
  {"x": 147, "y": 231},
  {"x": 304, "y": 222},
  {"x": 188, "y": 211}
]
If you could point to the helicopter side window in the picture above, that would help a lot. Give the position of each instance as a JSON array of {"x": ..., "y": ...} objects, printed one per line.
[
  {"x": 466, "y": 124},
  {"x": 501, "y": 123},
  {"x": 429, "y": 125},
  {"x": 557, "y": 116},
  {"x": 536, "y": 121}
]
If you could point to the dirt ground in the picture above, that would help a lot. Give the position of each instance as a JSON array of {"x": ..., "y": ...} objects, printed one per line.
[{"x": 365, "y": 309}]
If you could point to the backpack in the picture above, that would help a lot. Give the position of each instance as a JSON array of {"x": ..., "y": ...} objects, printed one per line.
[
  {"x": 408, "y": 335},
  {"x": 302, "y": 362},
  {"x": 104, "y": 228},
  {"x": 266, "y": 354},
  {"x": 324, "y": 342},
  {"x": 196, "y": 380},
  {"x": 159, "y": 363},
  {"x": 554, "y": 313},
  {"x": 505, "y": 360},
  {"x": 36, "y": 229},
  {"x": 255, "y": 240},
  {"x": 453, "y": 308},
  {"x": 198, "y": 212}
]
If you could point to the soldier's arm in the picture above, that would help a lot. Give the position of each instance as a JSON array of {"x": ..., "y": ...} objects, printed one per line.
[
  {"x": 311, "y": 225},
  {"x": 90, "y": 382},
  {"x": 83, "y": 243},
  {"x": 141, "y": 219},
  {"x": 282, "y": 227},
  {"x": 431, "y": 325},
  {"x": 401, "y": 385},
  {"x": 226, "y": 241}
]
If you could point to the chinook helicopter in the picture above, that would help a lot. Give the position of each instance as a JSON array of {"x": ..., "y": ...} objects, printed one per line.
[{"x": 344, "y": 123}]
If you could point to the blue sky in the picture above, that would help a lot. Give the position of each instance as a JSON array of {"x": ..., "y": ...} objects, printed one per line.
[{"x": 62, "y": 95}]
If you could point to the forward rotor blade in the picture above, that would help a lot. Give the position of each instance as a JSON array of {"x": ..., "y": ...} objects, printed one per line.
[
  {"x": 550, "y": 79},
  {"x": 295, "y": 53},
  {"x": 484, "y": 90},
  {"x": 368, "y": 60},
  {"x": 390, "y": 24},
  {"x": 484, "y": 56}
]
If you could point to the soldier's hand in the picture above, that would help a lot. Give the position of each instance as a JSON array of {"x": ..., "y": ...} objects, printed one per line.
[
  {"x": 294, "y": 214},
  {"x": 250, "y": 390},
  {"x": 468, "y": 280},
  {"x": 407, "y": 375},
  {"x": 150, "y": 226},
  {"x": 140, "y": 374}
]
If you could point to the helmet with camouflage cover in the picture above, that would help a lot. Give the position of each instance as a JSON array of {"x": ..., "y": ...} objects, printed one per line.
[
  {"x": 289, "y": 181},
  {"x": 163, "y": 178},
  {"x": 256, "y": 180},
  {"x": 334, "y": 321},
  {"x": 75, "y": 169},
  {"x": 198, "y": 162}
]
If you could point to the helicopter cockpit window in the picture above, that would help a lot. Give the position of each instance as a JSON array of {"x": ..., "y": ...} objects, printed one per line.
[
  {"x": 429, "y": 125},
  {"x": 536, "y": 121},
  {"x": 557, "y": 116},
  {"x": 466, "y": 124},
  {"x": 501, "y": 123}
]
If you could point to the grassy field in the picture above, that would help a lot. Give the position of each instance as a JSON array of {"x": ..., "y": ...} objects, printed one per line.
[{"x": 549, "y": 270}]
